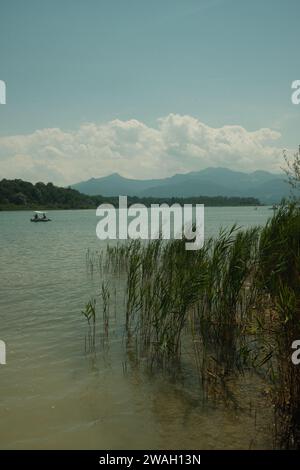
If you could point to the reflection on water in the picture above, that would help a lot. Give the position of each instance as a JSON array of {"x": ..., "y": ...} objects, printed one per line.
[{"x": 54, "y": 394}]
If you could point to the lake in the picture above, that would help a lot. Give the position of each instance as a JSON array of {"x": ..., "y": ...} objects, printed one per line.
[{"x": 54, "y": 394}]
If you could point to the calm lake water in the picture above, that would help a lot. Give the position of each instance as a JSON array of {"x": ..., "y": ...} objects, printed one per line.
[{"x": 55, "y": 395}]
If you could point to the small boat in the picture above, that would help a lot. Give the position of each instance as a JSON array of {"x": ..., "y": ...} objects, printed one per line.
[{"x": 39, "y": 216}]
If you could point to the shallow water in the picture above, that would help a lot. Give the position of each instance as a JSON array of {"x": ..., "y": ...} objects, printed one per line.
[{"x": 55, "y": 395}]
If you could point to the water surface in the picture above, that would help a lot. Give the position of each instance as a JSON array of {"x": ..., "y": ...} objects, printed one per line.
[{"x": 55, "y": 395}]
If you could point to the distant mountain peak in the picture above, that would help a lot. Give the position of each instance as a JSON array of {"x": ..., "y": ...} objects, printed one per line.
[
  {"x": 211, "y": 181},
  {"x": 114, "y": 175}
]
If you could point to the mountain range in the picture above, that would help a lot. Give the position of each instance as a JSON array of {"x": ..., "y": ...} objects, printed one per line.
[{"x": 265, "y": 186}]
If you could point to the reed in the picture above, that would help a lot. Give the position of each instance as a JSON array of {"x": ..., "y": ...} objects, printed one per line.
[
  {"x": 105, "y": 295},
  {"x": 90, "y": 314},
  {"x": 236, "y": 301},
  {"x": 279, "y": 261}
]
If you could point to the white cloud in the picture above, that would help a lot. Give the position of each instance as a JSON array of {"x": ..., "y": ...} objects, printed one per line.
[{"x": 177, "y": 144}]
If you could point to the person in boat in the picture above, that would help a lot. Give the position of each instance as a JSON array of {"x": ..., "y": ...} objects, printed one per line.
[
  {"x": 44, "y": 216},
  {"x": 35, "y": 216}
]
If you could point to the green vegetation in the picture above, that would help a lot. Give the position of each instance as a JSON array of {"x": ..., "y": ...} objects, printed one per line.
[
  {"x": 21, "y": 195},
  {"x": 279, "y": 280},
  {"x": 18, "y": 194},
  {"x": 235, "y": 304}
]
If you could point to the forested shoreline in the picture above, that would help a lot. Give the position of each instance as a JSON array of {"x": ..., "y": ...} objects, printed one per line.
[{"x": 23, "y": 195}]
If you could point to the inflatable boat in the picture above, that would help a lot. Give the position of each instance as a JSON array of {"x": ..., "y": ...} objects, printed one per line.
[{"x": 40, "y": 217}]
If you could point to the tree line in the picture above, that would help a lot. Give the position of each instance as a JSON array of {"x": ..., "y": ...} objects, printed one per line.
[{"x": 18, "y": 194}]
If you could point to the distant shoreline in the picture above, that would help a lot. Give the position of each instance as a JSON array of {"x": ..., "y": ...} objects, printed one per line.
[
  {"x": 50, "y": 208},
  {"x": 18, "y": 195}
]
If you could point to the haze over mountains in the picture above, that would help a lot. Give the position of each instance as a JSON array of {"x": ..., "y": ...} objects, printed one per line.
[{"x": 267, "y": 187}]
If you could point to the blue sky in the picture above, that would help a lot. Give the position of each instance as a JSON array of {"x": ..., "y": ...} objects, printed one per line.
[{"x": 222, "y": 62}]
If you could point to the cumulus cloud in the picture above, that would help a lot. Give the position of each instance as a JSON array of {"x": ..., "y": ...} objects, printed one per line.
[{"x": 176, "y": 144}]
